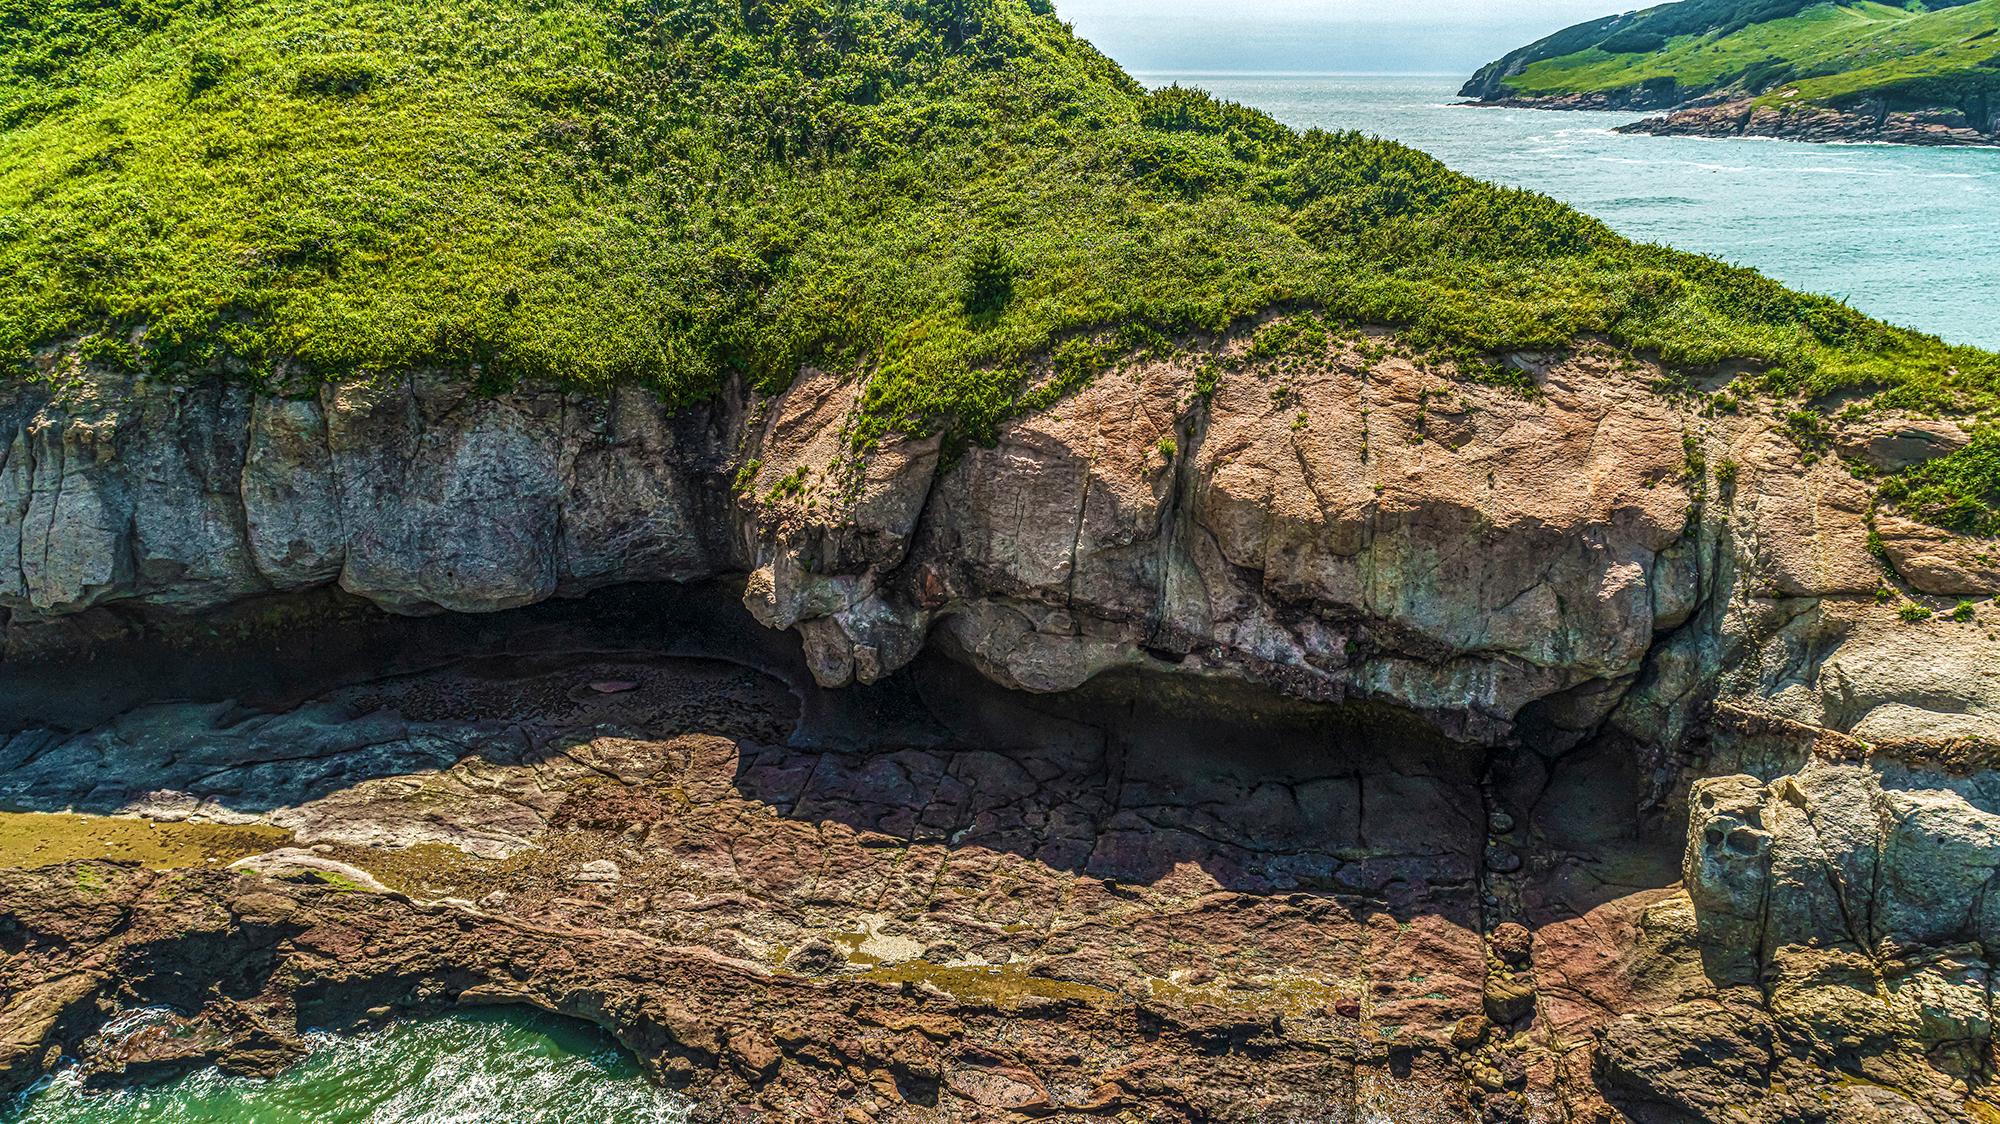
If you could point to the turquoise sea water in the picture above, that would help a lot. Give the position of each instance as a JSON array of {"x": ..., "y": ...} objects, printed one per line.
[
  {"x": 1911, "y": 235},
  {"x": 488, "y": 1067}
]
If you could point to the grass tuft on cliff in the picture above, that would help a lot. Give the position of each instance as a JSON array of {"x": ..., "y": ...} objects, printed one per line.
[
  {"x": 1940, "y": 55},
  {"x": 676, "y": 192}
]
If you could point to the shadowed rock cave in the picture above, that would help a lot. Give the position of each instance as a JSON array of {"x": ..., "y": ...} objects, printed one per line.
[{"x": 1227, "y": 872}]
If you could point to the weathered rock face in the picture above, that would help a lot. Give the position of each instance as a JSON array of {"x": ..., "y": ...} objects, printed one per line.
[
  {"x": 1355, "y": 531},
  {"x": 1344, "y": 528},
  {"x": 1842, "y": 917},
  {"x": 1600, "y": 594},
  {"x": 419, "y": 495}
]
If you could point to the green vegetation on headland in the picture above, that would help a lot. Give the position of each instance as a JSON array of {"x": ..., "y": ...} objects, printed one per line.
[
  {"x": 941, "y": 194},
  {"x": 1940, "y": 55}
]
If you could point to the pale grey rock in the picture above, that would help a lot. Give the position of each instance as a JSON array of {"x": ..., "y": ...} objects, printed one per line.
[
  {"x": 417, "y": 493},
  {"x": 294, "y": 862},
  {"x": 291, "y": 502},
  {"x": 1890, "y": 680},
  {"x": 1727, "y": 870},
  {"x": 452, "y": 499},
  {"x": 596, "y": 871},
  {"x": 1858, "y": 900},
  {"x": 74, "y": 531},
  {"x": 181, "y": 452}
]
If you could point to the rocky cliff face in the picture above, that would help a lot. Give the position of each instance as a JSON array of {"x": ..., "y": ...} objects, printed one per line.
[
  {"x": 1593, "y": 572},
  {"x": 420, "y": 496}
]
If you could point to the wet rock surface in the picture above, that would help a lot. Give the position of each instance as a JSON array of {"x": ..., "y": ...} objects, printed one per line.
[{"x": 1010, "y": 907}]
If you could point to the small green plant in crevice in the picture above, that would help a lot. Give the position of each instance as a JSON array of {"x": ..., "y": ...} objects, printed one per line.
[
  {"x": 1207, "y": 378},
  {"x": 1884, "y": 595},
  {"x": 1169, "y": 448},
  {"x": 1726, "y": 472},
  {"x": 1696, "y": 471},
  {"x": 789, "y": 486},
  {"x": 1964, "y": 612},
  {"x": 1913, "y": 613},
  {"x": 1877, "y": 547},
  {"x": 1501, "y": 377},
  {"x": 1808, "y": 430},
  {"x": 746, "y": 477}
]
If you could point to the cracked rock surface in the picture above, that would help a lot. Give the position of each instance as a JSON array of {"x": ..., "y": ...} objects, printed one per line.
[
  {"x": 1080, "y": 916},
  {"x": 1337, "y": 734}
]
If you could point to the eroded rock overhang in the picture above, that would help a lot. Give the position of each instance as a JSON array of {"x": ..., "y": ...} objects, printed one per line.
[{"x": 1589, "y": 555}]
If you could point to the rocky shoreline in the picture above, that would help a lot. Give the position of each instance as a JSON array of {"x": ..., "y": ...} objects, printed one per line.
[
  {"x": 1328, "y": 740},
  {"x": 1744, "y": 117},
  {"x": 1871, "y": 125}
]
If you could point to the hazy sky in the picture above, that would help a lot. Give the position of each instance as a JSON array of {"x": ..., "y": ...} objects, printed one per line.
[{"x": 1408, "y": 36}]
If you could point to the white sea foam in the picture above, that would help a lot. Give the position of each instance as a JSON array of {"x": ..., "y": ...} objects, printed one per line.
[{"x": 476, "y": 1069}]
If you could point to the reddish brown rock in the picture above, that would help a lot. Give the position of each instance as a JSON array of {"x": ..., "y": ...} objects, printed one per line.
[{"x": 1511, "y": 942}]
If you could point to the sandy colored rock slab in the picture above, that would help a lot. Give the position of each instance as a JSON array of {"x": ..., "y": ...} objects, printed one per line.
[{"x": 1938, "y": 562}]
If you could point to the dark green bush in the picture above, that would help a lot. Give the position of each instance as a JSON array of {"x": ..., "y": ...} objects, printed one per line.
[
  {"x": 206, "y": 68},
  {"x": 989, "y": 279},
  {"x": 335, "y": 78}
]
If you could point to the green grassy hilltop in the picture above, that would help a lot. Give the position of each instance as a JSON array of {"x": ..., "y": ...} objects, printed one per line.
[
  {"x": 1944, "y": 54},
  {"x": 932, "y": 192}
]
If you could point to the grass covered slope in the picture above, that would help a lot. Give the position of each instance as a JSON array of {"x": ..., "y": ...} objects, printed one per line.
[
  {"x": 1936, "y": 56},
  {"x": 937, "y": 193}
]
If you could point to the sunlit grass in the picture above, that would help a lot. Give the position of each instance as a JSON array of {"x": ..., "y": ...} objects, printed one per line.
[
  {"x": 1825, "y": 54},
  {"x": 669, "y": 192}
]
